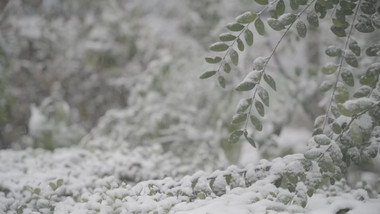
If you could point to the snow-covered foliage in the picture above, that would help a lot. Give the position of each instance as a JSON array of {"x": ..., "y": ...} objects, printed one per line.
[{"x": 103, "y": 102}]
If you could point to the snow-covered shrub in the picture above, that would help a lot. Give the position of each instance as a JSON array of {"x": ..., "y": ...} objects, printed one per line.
[{"x": 348, "y": 129}]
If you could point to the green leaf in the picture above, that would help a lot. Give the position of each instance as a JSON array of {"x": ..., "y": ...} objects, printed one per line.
[
  {"x": 259, "y": 26},
  {"x": 313, "y": 154},
  {"x": 235, "y": 27},
  {"x": 37, "y": 191},
  {"x": 329, "y": 68},
  {"x": 350, "y": 59},
  {"x": 59, "y": 182},
  {"x": 340, "y": 23},
  {"x": 234, "y": 57},
  {"x": 226, "y": 37},
  {"x": 333, "y": 51},
  {"x": 240, "y": 44},
  {"x": 338, "y": 31},
  {"x": 207, "y": 74},
  {"x": 246, "y": 18},
  {"x": 235, "y": 136},
  {"x": 256, "y": 122},
  {"x": 325, "y": 86},
  {"x": 218, "y": 47},
  {"x": 239, "y": 118},
  {"x": 368, "y": 7},
  {"x": 280, "y": 8},
  {"x": 249, "y": 139},
  {"x": 320, "y": 9},
  {"x": 222, "y": 81},
  {"x": 363, "y": 91},
  {"x": 294, "y": 4},
  {"x": 336, "y": 128},
  {"x": 347, "y": 77},
  {"x": 312, "y": 18},
  {"x": 243, "y": 105},
  {"x": 226, "y": 67},
  {"x": 260, "y": 108},
  {"x": 374, "y": 69},
  {"x": 373, "y": 50},
  {"x": 245, "y": 85},
  {"x": 376, "y": 19},
  {"x": 270, "y": 81},
  {"x": 354, "y": 47},
  {"x": 213, "y": 60},
  {"x": 343, "y": 110},
  {"x": 368, "y": 79},
  {"x": 322, "y": 139},
  {"x": 248, "y": 36},
  {"x": 275, "y": 24},
  {"x": 341, "y": 93},
  {"x": 364, "y": 24},
  {"x": 262, "y": 2},
  {"x": 287, "y": 18},
  {"x": 53, "y": 186},
  {"x": 301, "y": 29},
  {"x": 263, "y": 94}
]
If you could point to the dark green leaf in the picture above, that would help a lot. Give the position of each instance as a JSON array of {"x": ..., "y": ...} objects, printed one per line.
[
  {"x": 333, "y": 51},
  {"x": 376, "y": 19},
  {"x": 287, "y": 18},
  {"x": 243, "y": 105},
  {"x": 245, "y": 86},
  {"x": 234, "y": 57},
  {"x": 340, "y": 23},
  {"x": 313, "y": 154},
  {"x": 260, "y": 108},
  {"x": 364, "y": 24},
  {"x": 249, "y": 139},
  {"x": 246, "y": 18},
  {"x": 239, "y": 118},
  {"x": 320, "y": 9},
  {"x": 374, "y": 69},
  {"x": 226, "y": 67},
  {"x": 329, "y": 68},
  {"x": 213, "y": 60},
  {"x": 222, "y": 81},
  {"x": 338, "y": 31},
  {"x": 263, "y": 94},
  {"x": 235, "y": 136},
  {"x": 373, "y": 50},
  {"x": 59, "y": 182},
  {"x": 226, "y": 37},
  {"x": 363, "y": 91},
  {"x": 354, "y": 47},
  {"x": 248, "y": 36},
  {"x": 294, "y": 4},
  {"x": 235, "y": 27},
  {"x": 270, "y": 81},
  {"x": 256, "y": 122},
  {"x": 336, "y": 128},
  {"x": 240, "y": 44},
  {"x": 347, "y": 77},
  {"x": 218, "y": 47},
  {"x": 37, "y": 191},
  {"x": 275, "y": 24},
  {"x": 312, "y": 18},
  {"x": 301, "y": 29},
  {"x": 367, "y": 8},
  {"x": 262, "y": 2},
  {"x": 207, "y": 74},
  {"x": 280, "y": 8},
  {"x": 259, "y": 26},
  {"x": 350, "y": 59}
]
